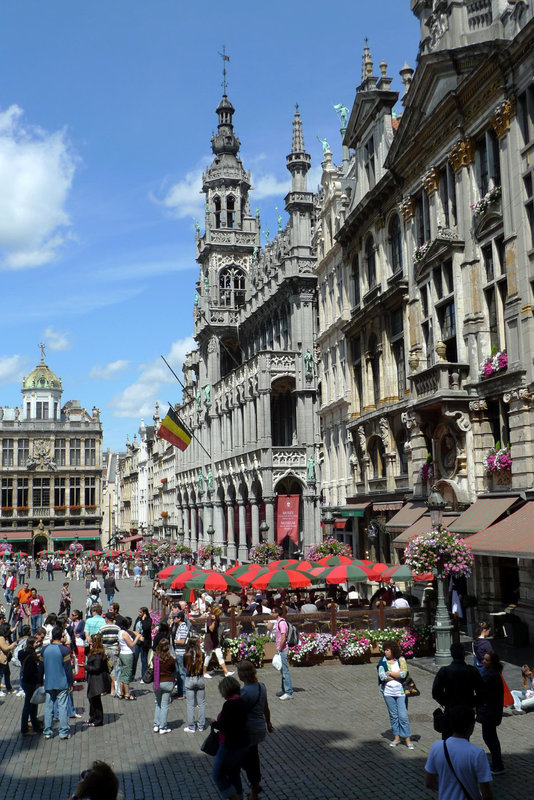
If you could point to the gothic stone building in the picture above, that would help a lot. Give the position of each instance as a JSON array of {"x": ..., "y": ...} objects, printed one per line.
[
  {"x": 251, "y": 385},
  {"x": 51, "y": 468}
]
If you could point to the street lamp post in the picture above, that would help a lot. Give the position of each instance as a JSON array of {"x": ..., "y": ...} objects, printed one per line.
[
  {"x": 443, "y": 626},
  {"x": 328, "y": 522},
  {"x": 264, "y": 530}
]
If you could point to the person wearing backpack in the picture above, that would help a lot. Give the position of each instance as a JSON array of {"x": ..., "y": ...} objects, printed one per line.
[{"x": 282, "y": 647}]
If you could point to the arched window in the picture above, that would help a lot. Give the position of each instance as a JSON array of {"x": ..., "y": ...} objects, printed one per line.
[
  {"x": 231, "y": 287},
  {"x": 356, "y": 280},
  {"x": 370, "y": 257},
  {"x": 217, "y": 206},
  {"x": 395, "y": 236},
  {"x": 376, "y": 454},
  {"x": 230, "y": 211}
]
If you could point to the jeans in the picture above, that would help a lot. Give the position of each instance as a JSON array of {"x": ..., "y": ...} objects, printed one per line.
[
  {"x": 61, "y": 695},
  {"x": 194, "y": 695},
  {"x": 226, "y": 771},
  {"x": 398, "y": 715},
  {"x": 109, "y": 597},
  {"x": 287, "y": 686},
  {"x": 50, "y": 574},
  {"x": 5, "y": 676},
  {"x": 521, "y": 701},
  {"x": 180, "y": 674},
  {"x": 117, "y": 678},
  {"x": 163, "y": 700},
  {"x": 70, "y": 707},
  {"x": 139, "y": 651},
  {"x": 489, "y": 734},
  {"x": 36, "y": 620},
  {"x": 29, "y": 709},
  {"x": 9, "y": 595}
]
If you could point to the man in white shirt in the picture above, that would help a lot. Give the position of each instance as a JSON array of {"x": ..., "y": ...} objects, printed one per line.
[
  {"x": 470, "y": 767},
  {"x": 400, "y": 601}
]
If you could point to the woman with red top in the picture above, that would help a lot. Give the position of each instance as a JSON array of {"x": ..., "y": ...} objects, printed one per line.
[
  {"x": 164, "y": 672},
  {"x": 233, "y": 741}
]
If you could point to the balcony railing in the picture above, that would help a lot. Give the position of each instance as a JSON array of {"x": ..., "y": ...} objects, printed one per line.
[{"x": 444, "y": 377}]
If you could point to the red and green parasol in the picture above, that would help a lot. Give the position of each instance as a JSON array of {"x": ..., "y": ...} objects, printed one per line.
[
  {"x": 213, "y": 582},
  {"x": 282, "y": 579}
]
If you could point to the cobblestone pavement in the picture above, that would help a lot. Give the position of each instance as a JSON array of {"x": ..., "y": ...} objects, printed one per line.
[{"x": 331, "y": 741}]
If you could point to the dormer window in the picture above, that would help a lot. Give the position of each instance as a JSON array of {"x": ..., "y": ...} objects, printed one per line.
[{"x": 41, "y": 410}]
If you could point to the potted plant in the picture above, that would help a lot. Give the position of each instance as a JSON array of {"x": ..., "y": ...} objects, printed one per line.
[
  {"x": 328, "y": 547},
  {"x": 265, "y": 552},
  {"x": 482, "y": 205},
  {"x": 427, "y": 470},
  {"x": 351, "y": 647},
  {"x": 496, "y": 362},
  {"x": 311, "y": 649},
  {"x": 247, "y": 647},
  {"x": 498, "y": 459}
]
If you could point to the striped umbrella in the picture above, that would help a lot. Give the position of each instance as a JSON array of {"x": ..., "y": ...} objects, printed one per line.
[
  {"x": 173, "y": 571},
  {"x": 179, "y": 581},
  {"x": 303, "y": 566},
  {"x": 237, "y": 571},
  {"x": 401, "y": 572},
  {"x": 282, "y": 579},
  {"x": 345, "y": 573},
  {"x": 282, "y": 563},
  {"x": 335, "y": 561},
  {"x": 255, "y": 570},
  {"x": 213, "y": 582}
]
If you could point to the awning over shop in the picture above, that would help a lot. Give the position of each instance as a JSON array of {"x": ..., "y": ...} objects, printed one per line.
[
  {"x": 423, "y": 525},
  {"x": 17, "y": 536},
  {"x": 406, "y": 516},
  {"x": 81, "y": 533},
  {"x": 482, "y": 514},
  {"x": 340, "y": 524},
  {"x": 511, "y": 537},
  {"x": 391, "y": 506},
  {"x": 128, "y": 539},
  {"x": 353, "y": 509}
]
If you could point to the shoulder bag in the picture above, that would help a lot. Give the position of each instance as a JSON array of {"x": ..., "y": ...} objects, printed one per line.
[
  {"x": 449, "y": 762},
  {"x": 410, "y": 689},
  {"x": 210, "y": 745}
]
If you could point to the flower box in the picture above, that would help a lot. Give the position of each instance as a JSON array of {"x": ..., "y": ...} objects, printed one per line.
[
  {"x": 22, "y": 509},
  {"x": 7, "y": 509},
  {"x": 328, "y": 547},
  {"x": 439, "y": 551},
  {"x": 482, "y": 205},
  {"x": 164, "y": 514},
  {"x": 75, "y": 509},
  {"x": 497, "y": 362},
  {"x": 499, "y": 460},
  {"x": 91, "y": 507}
]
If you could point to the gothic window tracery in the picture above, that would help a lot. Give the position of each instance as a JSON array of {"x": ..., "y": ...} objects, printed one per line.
[
  {"x": 217, "y": 207},
  {"x": 231, "y": 287},
  {"x": 230, "y": 211}
]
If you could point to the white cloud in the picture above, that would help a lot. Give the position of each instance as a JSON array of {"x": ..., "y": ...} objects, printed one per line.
[
  {"x": 138, "y": 399},
  {"x": 36, "y": 172},
  {"x": 11, "y": 369},
  {"x": 269, "y": 185},
  {"x": 110, "y": 371},
  {"x": 56, "y": 340},
  {"x": 184, "y": 198}
]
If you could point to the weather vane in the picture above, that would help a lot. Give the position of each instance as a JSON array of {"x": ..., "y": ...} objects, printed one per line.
[
  {"x": 43, "y": 348},
  {"x": 225, "y": 58}
]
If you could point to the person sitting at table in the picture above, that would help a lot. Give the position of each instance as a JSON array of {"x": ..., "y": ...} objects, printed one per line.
[{"x": 400, "y": 601}]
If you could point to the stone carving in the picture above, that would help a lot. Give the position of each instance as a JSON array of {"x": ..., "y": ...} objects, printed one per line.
[
  {"x": 289, "y": 457},
  {"x": 502, "y": 117},
  {"x": 199, "y": 400},
  {"x": 210, "y": 480},
  {"x": 207, "y": 395},
  {"x": 460, "y": 418},
  {"x": 362, "y": 440},
  {"x": 308, "y": 364},
  {"x": 431, "y": 180},
  {"x": 311, "y": 470},
  {"x": 383, "y": 432},
  {"x": 478, "y": 405},
  {"x": 448, "y": 454},
  {"x": 407, "y": 208},
  {"x": 521, "y": 395},
  {"x": 200, "y": 483},
  {"x": 438, "y": 25},
  {"x": 462, "y": 154},
  {"x": 41, "y": 456},
  {"x": 410, "y": 420}
]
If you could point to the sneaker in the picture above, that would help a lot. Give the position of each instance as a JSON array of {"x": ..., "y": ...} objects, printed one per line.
[
  {"x": 190, "y": 730},
  {"x": 155, "y": 728},
  {"x": 201, "y": 728},
  {"x": 207, "y": 675},
  {"x": 164, "y": 730},
  {"x": 279, "y": 694},
  {"x": 286, "y": 697},
  {"x": 48, "y": 735},
  {"x": 20, "y": 693},
  {"x": 518, "y": 711},
  {"x": 3, "y": 694},
  {"x": 141, "y": 681},
  {"x": 498, "y": 771},
  {"x": 228, "y": 674},
  {"x": 75, "y": 716},
  {"x": 64, "y": 738}
]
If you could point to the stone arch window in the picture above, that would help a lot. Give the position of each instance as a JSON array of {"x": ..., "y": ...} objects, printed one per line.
[
  {"x": 376, "y": 454},
  {"x": 231, "y": 287},
  {"x": 370, "y": 257},
  {"x": 283, "y": 413},
  {"x": 217, "y": 207},
  {"x": 395, "y": 238},
  {"x": 230, "y": 211}
]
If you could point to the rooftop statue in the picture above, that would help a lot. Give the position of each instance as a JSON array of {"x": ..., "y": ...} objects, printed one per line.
[
  {"x": 325, "y": 145},
  {"x": 343, "y": 114}
]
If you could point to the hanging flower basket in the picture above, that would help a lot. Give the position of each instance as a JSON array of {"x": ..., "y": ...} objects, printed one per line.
[
  {"x": 482, "y": 205},
  {"x": 498, "y": 459},
  {"x": 497, "y": 362},
  {"x": 265, "y": 552},
  {"x": 328, "y": 547},
  {"x": 439, "y": 551}
]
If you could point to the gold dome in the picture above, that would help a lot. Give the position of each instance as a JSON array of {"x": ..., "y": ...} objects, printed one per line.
[{"x": 42, "y": 377}]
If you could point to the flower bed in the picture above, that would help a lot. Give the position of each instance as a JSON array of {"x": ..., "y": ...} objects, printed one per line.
[
  {"x": 351, "y": 647},
  {"x": 311, "y": 649},
  {"x": 328, "y": 547},
  {"x": 441, "y": 551},
  {"x": 496, "y": 362},
  {"x": 498, "y": 459},
  {"x": 247, "y": 647}
]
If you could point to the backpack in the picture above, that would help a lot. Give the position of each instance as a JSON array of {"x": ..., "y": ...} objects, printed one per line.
[{"x": 292, "y": 638}]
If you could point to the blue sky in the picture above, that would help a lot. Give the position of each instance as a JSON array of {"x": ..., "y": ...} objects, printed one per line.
[{"x": 106, "y": 114}]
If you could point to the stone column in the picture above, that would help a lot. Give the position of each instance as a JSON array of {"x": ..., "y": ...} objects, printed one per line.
[
  {"x": 255, "y": 522},
  {"x": 231, "y": 550},
  {"x": 242, "y": 552},
  {"x": 218, "y": 523},
  {"x": 269, "y": 518},
  {"x": 193, "y": 531},
  {"x": 521, "y": 436},
  {"x": 412, "y": 422}
]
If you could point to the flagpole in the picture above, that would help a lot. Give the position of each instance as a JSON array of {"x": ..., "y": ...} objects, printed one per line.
[{"x": 177, "y": 378}]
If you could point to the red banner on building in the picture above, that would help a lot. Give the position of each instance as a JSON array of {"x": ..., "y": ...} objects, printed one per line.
[{"x": 287, "y": 517}]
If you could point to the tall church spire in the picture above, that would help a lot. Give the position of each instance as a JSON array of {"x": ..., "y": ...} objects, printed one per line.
[{"x": 298, "y": 161}]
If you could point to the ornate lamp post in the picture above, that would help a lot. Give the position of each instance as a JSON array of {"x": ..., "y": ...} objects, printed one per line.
[
  {"x": 328, "y": 522},
  {"x": 264, "y": 530},
  {"x": 443, "y": 626}
]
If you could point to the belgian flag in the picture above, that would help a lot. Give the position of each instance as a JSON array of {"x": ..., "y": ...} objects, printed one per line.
[{"x": 174, "y": 431}]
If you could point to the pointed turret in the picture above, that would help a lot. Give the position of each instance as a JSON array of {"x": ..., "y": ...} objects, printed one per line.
[
  {"x": 298, "y": 161},
  {"x": 299, "y": 202}
]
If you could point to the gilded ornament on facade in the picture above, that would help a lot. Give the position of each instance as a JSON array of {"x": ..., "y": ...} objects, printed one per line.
[
  {"x": 503, "y": 116},
  {"x": 407, "y": 208},
  {"x": 431, "y": 180},
  {"x": 462, "y": 154}
]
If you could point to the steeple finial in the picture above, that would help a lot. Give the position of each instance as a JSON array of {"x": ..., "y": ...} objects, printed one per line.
[
  {"x": 297, "y": 144},
  {"x": 43, "y": 348},
  {"x": 367, "y": 61},
  {"x": 225, "y": 58}
]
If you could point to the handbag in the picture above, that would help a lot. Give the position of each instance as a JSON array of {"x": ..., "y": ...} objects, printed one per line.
[
  {"x": 148, "y": 677},
  {"x": 449, "y": 762},
  {"x": 439, "y": 720},
  {"x": 410, "y": 689},
  {"x": 39, "y": 695},
  {"x": 210, "y": 745}
]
